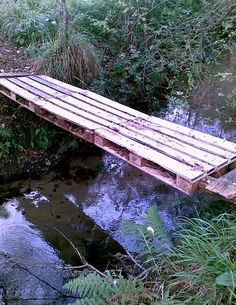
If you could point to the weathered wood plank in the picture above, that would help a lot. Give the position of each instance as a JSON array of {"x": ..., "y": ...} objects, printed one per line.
[
  {"x": 181, "y": 156},
  {"x": 190, "y": 139},
  {"x": 194, "y": 134},
  {"x": 83, "y": 98},
  {"x": 69, "y": 102},
  {"x": 14, "y": 74},
  {"x": 190, "y": 133},
  {"x": 202, "y": 156},
  {"x": 43, "y": 104},
  {"x": 177, "y": 155},
  {"x": 164, "y": 161},
  {"x": 186, "y": 150},
  {"x": 224, "y": 186},
  {"x": 58, "y": 101},
  {"x": 96, "y": 97}
]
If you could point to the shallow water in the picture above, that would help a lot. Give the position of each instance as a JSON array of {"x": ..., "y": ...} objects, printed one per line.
[
  {"x": 87, "y": 199},
  {"x": 212, "y": 106}
]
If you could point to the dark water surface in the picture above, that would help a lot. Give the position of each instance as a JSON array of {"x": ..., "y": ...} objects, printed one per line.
[{"x": 88, "y": 198}]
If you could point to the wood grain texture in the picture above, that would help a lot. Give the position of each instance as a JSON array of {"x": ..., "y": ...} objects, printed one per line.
[
  {"x": 177, "y": 155},
  {"x": 225, "y": 186}
]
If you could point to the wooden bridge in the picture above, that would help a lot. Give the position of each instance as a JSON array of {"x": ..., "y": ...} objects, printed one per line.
[{"x": 181, "y": 157}]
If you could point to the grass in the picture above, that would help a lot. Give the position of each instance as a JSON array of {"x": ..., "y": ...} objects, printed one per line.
[
  {"x": 199, "y": 270},
  {"x": 73, "y": 60},
  {"x": 207, "y": 250},
  {"x": 26, "y": 22}
]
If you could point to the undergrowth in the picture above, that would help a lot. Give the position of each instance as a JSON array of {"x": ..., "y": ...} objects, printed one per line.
[
  {"x": 146, "y": 48},
  {"x": 199, "y": 269}
]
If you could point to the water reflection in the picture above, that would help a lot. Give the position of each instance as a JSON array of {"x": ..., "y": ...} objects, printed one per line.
[
  {"x": 212, "y": 106},
  {"x": 29, "y": 265}
]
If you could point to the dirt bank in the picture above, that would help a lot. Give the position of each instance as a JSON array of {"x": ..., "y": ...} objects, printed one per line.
[{"x": 13, "y": 58}]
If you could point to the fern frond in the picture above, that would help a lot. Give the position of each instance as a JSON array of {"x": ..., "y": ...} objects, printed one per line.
[
  {"x": 112, "y": 289},
  {"x": 154, "y": 220}
]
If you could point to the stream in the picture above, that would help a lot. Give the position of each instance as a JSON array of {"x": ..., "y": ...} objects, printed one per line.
[{"x": 88, "y": 197}]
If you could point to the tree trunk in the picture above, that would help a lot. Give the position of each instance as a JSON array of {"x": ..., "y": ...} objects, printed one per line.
[{"x": 63, "y": 30}]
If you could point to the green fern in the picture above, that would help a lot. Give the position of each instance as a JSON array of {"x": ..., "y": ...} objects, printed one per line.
[
  {"x": 6, "y": 133},
  {"x": 112, "y": 289}
]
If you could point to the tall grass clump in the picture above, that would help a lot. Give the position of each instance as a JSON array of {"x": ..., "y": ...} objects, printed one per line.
[
  {"x": 73, "y": 61},
  {"x": 70, "y": 57},
  {"x": 203, "y": 266}
]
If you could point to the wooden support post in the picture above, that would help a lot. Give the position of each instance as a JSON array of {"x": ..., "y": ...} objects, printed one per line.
[
  {"x": 61, "y": 122},
  {"x": 136, "y": 160},
  {"x": 220, "y": 172},
  {"x": 185, "y": 185},
  {"x": 39, "y": 111},
  {"x": 32, "y": 106},
  {"x": 99, "y": 141},
  {"x": 13, "y": 96},
  {"x": 88, "y": 136}
]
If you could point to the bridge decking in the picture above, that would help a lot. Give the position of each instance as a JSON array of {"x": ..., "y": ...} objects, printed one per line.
[{"x": 177, "y": 155}]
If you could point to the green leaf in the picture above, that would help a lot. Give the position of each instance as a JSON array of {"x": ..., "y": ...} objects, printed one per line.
[{"x": 227, "y": 279}]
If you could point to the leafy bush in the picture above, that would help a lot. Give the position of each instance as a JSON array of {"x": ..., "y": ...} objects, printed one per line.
[
  {"x": 8, "y": 143},
  {"x": 146, "y": 48},
  {"x": 153, "y": 46}
]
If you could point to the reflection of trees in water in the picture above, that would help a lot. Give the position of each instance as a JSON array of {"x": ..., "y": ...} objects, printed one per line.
[{"x": 212, "y": 103}]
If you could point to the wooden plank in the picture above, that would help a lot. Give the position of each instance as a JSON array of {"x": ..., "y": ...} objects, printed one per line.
[
  {"x": 224, "y": 186},
  {"x": 48, "y": 106},
  {"x": 166, "y": 150},
  {"x": 70, "y": 103},
  {"x": 194, "y": 134},
  {"x": 205, "y": 147},
  {"x": 187, "y": 132},
  {"x": 150, "y": 154},
  {"x": 14, "y": 74},
  {"x": 83, "y": 98},
  {"x": 165, "y": 143},
  {"x": 59, "y": 101},
  {"x": 96, "y": 97},
  {"x": 23, "y": 93}
]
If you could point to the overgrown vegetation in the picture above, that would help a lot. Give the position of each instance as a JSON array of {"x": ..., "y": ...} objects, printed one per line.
[
  {"x": 21, "y": 139},
  {"x": 200, "y": 269},
  {"x": 145, "y": 47}
]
